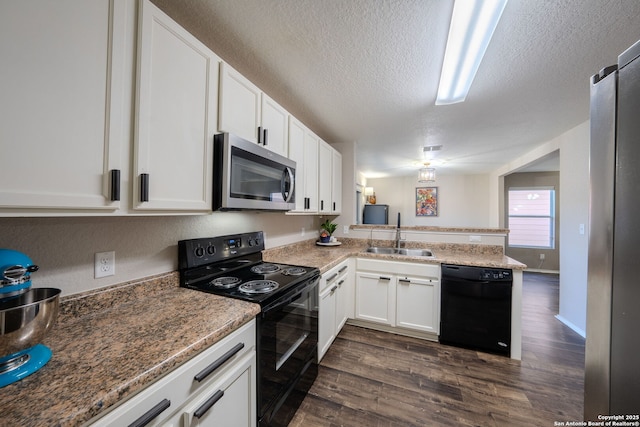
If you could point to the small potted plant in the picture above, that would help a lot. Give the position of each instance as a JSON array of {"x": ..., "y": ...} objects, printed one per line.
[{"x": 328, "y": 228}]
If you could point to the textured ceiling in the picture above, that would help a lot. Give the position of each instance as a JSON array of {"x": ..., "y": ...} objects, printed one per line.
[{"x": 368, "y": 71}]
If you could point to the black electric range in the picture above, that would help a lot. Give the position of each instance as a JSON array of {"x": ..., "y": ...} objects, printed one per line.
[{"x": 287, "y": 326}]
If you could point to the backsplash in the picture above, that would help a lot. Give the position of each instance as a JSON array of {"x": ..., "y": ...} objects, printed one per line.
[{"x": 64, "y": 248}]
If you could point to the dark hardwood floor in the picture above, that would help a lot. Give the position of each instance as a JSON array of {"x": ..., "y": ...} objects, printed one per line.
[{"x": 371, "y": 378}]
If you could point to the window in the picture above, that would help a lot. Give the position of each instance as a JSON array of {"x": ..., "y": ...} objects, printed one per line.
[{"x": 531, "y": 217}]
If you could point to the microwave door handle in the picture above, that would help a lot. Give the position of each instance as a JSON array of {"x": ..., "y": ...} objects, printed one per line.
[{"x": 287, "y": 174}]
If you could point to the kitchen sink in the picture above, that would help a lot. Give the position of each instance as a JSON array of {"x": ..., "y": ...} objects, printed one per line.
[{"x": 401, "y": 251}]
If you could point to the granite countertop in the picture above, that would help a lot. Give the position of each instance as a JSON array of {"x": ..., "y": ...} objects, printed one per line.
[
  {"x": 111, "y": 343},
  {"x": 326, "y": 257}
]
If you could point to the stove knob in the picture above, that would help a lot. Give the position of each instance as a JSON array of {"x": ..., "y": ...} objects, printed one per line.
[
  {"x": 199, "y": 251},
  {"x": 251, "y": 242},
  {"x": 211, "y": 250}
]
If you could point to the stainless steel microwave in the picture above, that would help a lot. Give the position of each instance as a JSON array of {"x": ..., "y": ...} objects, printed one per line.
[{"x": 248, "y": 176}]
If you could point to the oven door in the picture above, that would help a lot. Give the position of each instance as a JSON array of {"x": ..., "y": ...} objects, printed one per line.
[
  {"x": 287, "y": 349},
  {"x": 253, "y": 177}
]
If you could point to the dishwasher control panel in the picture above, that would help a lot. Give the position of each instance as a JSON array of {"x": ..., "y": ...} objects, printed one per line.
[
  {"x": 496, "y": 274},
  {"x": 466, "y": 272}
]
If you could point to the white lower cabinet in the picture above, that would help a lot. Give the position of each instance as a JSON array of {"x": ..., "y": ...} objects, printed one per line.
[
  {"x": 375, "y": 297},
  {"x": 215, "y": 388},
  {"x": 400, "y": 295},
  {"x": 418, "y": 304},
  {"x": 335, "y": 305}
]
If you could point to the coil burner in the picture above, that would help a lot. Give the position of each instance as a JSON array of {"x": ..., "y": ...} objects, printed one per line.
[
  {"x": 258, "y": 287},
  {"x": 294, "y": 271},
  {"x": 225, "y": 282},
  {"x": 265, "y": 268}
]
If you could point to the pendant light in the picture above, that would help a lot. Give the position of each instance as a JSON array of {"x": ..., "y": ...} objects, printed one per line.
[{"x": 427, "y": 174}]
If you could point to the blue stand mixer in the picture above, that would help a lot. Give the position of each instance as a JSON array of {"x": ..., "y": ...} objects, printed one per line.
[{"x": 26, "y": 314}]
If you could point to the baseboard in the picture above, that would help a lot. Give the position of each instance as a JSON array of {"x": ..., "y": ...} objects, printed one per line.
[
  {"x": 573, "y": 327},
  {"x": 538, "y": 270}
]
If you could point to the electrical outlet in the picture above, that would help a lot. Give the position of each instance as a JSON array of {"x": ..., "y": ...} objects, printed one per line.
[
  {"x": 105, "y": 264},
  {"x": 345, "y": 230},
  {"x": 476, "y": 239},
  {"x": 541, "y": 257}
]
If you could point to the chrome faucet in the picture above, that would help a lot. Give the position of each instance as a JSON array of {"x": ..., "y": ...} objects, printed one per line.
[{"x": 398, "y": 236}]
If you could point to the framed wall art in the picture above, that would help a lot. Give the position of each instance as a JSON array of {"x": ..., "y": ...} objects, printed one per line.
[{"x": 426, "y": 201}]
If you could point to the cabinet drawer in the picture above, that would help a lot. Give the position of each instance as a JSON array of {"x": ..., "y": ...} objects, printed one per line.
[
  {"x": 175, "y": 388},
  {"x": 332, "y": 276},
  {"x": 230, "y": 401},
  {"x": 400, "y": 268}
]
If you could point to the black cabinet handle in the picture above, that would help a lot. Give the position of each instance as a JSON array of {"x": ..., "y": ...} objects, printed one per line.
[
  {"x": 334, "y": 289},
  {"x": 208, "y": 404},
  {"x": 343, "y": 269},
  {"x": 385, "y": 278},
  {"x": 321, "y": 205},
  {"x": 334, "y": 206},
  {"x": 260, "y": 135},
  {"x": 404, "y": 280},
  {"x": 265, "y": 139},
  {"x": 151, "y": 414},
  {"x": 307, "y": 203},
  {"x": 215, "y": 365},
  {"x": 115, "y": 185},
  {"x": 144, "y": 187},
  {"x": 340, "y": 282},
  {"x": 333, "y": 276}
]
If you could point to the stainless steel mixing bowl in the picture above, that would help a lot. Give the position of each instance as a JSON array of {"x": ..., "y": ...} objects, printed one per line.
[{"x": 25, "y": 319}]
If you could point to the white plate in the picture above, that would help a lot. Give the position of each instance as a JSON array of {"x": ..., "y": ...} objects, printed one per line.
[{"x": 329, "y": 244}]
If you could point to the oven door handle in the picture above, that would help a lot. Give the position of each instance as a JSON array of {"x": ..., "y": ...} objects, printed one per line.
[{"x": 286, "y": 300}]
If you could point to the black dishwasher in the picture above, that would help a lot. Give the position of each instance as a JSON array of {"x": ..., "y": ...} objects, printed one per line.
[{"x": 475, "y": 310}]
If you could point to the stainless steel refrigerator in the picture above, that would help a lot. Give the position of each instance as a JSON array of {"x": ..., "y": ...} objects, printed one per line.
[{"x": 612, "y": 362}]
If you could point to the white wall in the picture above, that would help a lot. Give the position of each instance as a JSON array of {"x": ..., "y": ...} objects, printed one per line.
[
  {"x": 574, "y": 210},
  {"x": 64, "y": 248},
  {"x": 461, "y": 198}
]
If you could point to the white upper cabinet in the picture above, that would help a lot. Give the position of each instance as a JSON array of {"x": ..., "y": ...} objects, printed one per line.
[
  {"x": 329, "y": 179},
  {"x": 336, "y": 181},
  {"x": 249, "y": 113},
  {"x": 324, "y": 178},
  {"x": 176, "y": 116},
  {"x": 303, "y": 149},
  {"x": 275, "y": 126},
  {"x": 310, "y": 171},
  {"x": 240, "y": 104},
  {"x": 296, "y": 153},
  {"x": 65, "y": 105}
]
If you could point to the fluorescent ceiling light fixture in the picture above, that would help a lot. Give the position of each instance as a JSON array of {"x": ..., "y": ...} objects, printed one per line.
[{"x": 472, "y": 25}]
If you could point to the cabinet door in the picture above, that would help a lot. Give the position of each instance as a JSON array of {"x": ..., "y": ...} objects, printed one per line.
[
  {"x": 296, "y": 153},
  {"x": 176, "y": 116},
  {"x": 275, "y": 121},
  {"x": 342, "y": 301},
  {"x": 64, "y": 108},
  {"x": 326, "y": 175},
  {"x": 233, "y": 400},
  {"x": 240, "y": 102},
  {"x": 418, "y": 304},
  {"x": 336, "y": 181},
  {"x": 375, "y": 297},
  {"x": 327, "y": 319},
  {"x": 311, "y": 171}
]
